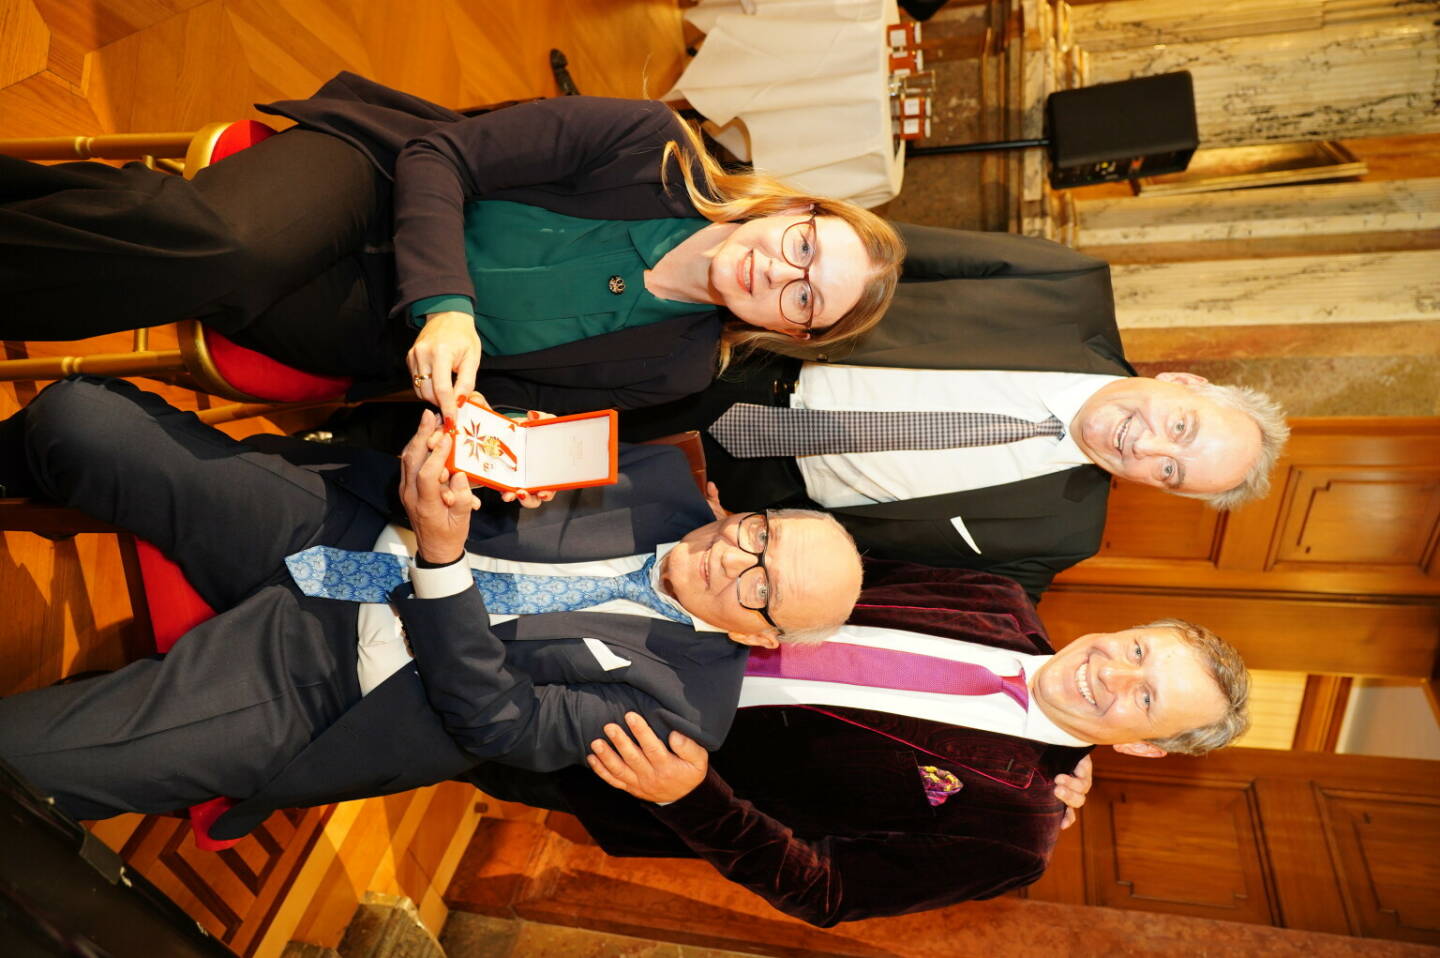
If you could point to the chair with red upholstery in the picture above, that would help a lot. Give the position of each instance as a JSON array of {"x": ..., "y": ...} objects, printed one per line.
[{"x": 205, "y": 360}]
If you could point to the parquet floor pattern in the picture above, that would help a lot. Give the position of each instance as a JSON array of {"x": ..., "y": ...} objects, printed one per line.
[{"x": 85, "y": 67}]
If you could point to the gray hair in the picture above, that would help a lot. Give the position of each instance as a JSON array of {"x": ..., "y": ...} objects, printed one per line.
[
  {"x": 1233, "y": 680},
  {"x": 1274, "y": 432},
  {"x": 816, "y": 634}
]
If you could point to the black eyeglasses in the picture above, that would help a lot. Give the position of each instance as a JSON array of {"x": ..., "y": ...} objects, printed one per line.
[
  {"x": 753, "y": 585},
  {"x": 797, "y": 247}
]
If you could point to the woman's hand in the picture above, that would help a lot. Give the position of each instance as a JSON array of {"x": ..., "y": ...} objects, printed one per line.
[
  {"x": 528, "y": 499},
  {"x": 444, "y": 360}
]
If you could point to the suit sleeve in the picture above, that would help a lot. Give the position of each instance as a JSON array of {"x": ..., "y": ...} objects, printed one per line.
[
  {"x": 842, "y": 877},
  {"x": 558, "y": 141},
  {"x": 936, "y": 253},
  {"x": 494, "y": 711},
  {"x": 617, "y": 375}
]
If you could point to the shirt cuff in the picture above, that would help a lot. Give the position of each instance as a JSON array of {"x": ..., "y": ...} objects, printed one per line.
[
  {"x": 422, "y": 308},
  {"x": 443, "y": 582}
]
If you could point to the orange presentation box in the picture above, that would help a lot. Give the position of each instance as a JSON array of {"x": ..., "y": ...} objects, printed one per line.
[{"x": 562, "y": 453}]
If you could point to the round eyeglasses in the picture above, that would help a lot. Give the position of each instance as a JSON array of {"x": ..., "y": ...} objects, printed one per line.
[{"x": 797, "y": 247}]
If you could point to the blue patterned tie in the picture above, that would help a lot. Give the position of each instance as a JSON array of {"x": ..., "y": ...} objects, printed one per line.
[{"x": 330, "y": 573}]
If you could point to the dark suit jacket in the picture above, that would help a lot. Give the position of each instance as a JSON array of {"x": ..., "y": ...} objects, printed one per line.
[
  {"x": 971, "y": 300},
  {"x": 527, "y": 692},
  {"x": 589, "y": 157},
  {"x": 822, "y": 811}
]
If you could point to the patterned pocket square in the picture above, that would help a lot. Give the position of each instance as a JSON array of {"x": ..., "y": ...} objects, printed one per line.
[{"x": 939, "y": 784}]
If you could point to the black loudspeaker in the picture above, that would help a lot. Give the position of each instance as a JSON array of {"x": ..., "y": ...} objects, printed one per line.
[
  {"x": 63, "y": 894},
  {"x": 1119, "y": 131}
]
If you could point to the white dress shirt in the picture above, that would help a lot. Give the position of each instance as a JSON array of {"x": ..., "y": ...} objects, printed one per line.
[
  {"x": 861, "y": 478},
  {"x": 382, "y": 644},
  {"x": 997, "y": 712}
]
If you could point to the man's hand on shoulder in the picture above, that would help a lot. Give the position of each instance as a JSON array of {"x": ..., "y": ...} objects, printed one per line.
[
  {"x": 1072, "y": 789},
  {"x": 648, "y": 770},
  {"x": 438, "y": 503}
]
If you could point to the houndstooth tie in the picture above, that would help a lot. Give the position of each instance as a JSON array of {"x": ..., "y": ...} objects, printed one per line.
[
  {"x": 330, "y": 573},
  {"x": 747, "y": 430}
]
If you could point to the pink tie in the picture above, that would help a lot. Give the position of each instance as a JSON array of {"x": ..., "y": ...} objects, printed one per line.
[{"x": 884, "y": 668}]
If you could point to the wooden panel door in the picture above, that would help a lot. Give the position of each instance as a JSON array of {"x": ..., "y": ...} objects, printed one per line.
[
  {"x": 1346, "y": 844},
  {"x": 1211, "y": 867},
  {"x": 1336, "y": 571}
]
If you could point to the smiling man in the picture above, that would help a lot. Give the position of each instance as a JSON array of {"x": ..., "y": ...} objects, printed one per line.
[
  {"x": 350, "y": 657},
  {"x": 979, "y": 423},
  {"x": 839, "y": 796}
]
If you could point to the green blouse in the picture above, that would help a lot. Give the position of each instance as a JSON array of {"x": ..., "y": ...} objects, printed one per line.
[{"x": 543, "y": 279}]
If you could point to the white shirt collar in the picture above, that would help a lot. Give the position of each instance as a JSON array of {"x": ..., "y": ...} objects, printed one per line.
[
  {"x": 1038, "y": 725},
  {"x": 1065, "y": 404},
  {"x": 661, "y": 551}
]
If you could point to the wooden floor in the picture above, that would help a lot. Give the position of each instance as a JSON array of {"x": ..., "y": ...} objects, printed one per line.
[{"x": 100, "y": 66}]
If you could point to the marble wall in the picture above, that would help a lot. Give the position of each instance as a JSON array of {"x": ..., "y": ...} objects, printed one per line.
[
  {"x": 1263, "y": 73},
  {"x": 1353, "y": 288},
  {"x": 1308, "y": 210}
]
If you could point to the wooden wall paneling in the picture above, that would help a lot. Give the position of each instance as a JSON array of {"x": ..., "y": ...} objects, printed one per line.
[
  {"x": 1183, "y": 848},
  {"x": 1354, "y": 508},
  {"x": 1348, "y": 844},
  {"x": 1306, "y": 888},
  {"x": 1148, "y": 524},
  {"x": 1322, "y": 711},
  {"x": 1386, "y": 848},
  {"x": 1281, "y": 632},
  {"x": 1398, "y": 510}
]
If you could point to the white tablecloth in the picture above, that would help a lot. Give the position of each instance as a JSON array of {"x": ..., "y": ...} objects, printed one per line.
[{"x": 800, "y": 87}]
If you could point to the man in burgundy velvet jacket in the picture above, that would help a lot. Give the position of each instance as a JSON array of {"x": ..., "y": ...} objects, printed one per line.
[{"x": 825, "y": 811}]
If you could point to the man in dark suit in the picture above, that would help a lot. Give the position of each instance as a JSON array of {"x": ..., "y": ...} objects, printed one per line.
[
  {"x": 835, "y": 812},
  {"x": 286, "y": 698},
  {"x": 988, "y": 323}
]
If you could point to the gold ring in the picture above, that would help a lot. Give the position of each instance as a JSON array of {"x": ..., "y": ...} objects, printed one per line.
[{"x": 422, "y": 378}]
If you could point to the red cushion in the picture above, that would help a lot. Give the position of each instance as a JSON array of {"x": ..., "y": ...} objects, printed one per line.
[
  {"x": 175, "y": 607},
  {"x": 202, "y": 816},
  {"x": 238, "y": 136},
  {"x": 245, "y": 369},
  {"x": 270, "y": 379}
]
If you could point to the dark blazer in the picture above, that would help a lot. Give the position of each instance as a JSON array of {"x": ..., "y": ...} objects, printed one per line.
[
  {"x": 995, "y": 301},
  {"x": 589, "y": 157},
  {"x": 822, "y": 812},
  {"x": 527, "y": 692},
  {"x": 966, "y": 300}
]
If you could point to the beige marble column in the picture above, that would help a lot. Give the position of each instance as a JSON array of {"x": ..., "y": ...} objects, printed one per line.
[
  {"x": 1308, "y": 210},
  {"x": 1351, "y": 288},
  {"x": 1267, "y": 71}
]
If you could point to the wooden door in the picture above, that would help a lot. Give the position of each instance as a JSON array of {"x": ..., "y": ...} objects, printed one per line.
[
  {"x": 1336, "y": 571},
  {"x": 1345, "y": 844}
]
